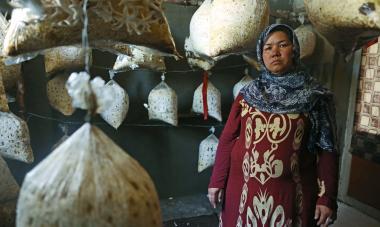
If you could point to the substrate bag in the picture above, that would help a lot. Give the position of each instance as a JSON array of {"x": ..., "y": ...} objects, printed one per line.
[
  {"x": 162, "y": 104},
  {"x": 137, "y": 22},
  {"x": 214, "y": 101},
  {"x": 58, "y": 96},
  {"x": 207, "y": 152}
]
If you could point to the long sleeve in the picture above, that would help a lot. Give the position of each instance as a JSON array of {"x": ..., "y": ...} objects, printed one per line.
[
  {"x": 226, "y": 142},
  {"x": 328, "y": 179}
]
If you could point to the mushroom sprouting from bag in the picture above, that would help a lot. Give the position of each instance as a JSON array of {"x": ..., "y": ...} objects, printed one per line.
[
  {"x": 221, "y": 27},
  {"x": 207, "y": 151},
  {"x": 117, "y": 111},
  {"x": 88, "y": 180},
  {"x": 14, "y": 137},
  {"x": 57, "y": 94},
  {"x": 307, "y": 40},
  {"x": 64, "y": 58},
  {"x": 213, "y": 98},
  {"x": 140, "y": 57},
  {"x": 137, "y": 22},
  {"x": 11, "y": 73},
  {"x": 162, "y": 103},
  {"x": 347, "y": 24},
  {"x": 239, "y": 85}
]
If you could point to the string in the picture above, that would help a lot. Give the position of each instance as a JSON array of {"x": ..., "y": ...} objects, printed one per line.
[
  {"x": 30, "y": 115},
  {"x": 172, "y": 71}
]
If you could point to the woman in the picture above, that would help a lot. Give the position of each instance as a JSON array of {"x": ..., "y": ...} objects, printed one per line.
[{"x": 277, "y": 158}]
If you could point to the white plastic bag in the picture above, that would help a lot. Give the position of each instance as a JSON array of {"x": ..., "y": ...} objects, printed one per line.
[
  {"x": 88, "y": 181},
  {"x": 14, "y": 137},
  {"x": 221, "y": 27},
  {"x": 64, "y": 58},
  {"x": 162, "y": 104},
  {"x": 307, "y": 40},
  {"x": 140, "y": 57},
  {"x": 214, "y": 101},
  {"x": 137, "y": 22},
  {"x": 207, "y": 151},
  {"x": 347, "y": 24},
  {"x": 118, "y": 109},
  {"x": 239, "y": 85},
  {"x": 58, "y": 96}
]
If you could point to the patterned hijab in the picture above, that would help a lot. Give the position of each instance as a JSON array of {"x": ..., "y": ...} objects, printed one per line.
[{"x": 295, "y": 91}]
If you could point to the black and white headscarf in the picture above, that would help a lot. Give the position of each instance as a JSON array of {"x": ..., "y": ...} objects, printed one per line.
[{"x": 295, "y": 91}]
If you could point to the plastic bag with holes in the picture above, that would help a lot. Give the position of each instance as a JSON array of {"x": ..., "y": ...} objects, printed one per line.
[
  {"x": 221, "y": 27},
  {"x": 9, "y": 190},
  {"x": 162, "y": 104},
  {"x": 118, "y": 109},
  {"x": 207, "y": 151},
  {"x": 137, "y": 22},
  {"x": 239, "y": 85},
  {"x": 307, "y": 40},
  {"x": 64, "y": 58},
  {"x": 214, "y": 101},
  {"x": 88, "y": 180},
  {"x": 57, "y": 94},
  {"x": 347, "y": 24},
  {"x": 140, "y": 57},
  {"x": 14, "y": 138}
]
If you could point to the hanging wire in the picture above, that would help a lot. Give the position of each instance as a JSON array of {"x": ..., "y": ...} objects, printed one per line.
[
  {"x": 85, "y": 43},
  {"x": 30, "y": 115}
]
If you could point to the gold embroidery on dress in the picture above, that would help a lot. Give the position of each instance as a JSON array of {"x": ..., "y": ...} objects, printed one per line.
[
  {"x": 270, "y": 168},
  {"x": 298, "y": 135},
  {"x": 321, "y": 187},
  {"x": 294, "y": 166}
]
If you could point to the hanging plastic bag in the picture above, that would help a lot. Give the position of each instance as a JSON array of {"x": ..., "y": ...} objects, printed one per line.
[
  {"x": 347, "y": 24},
  {"x": 239, "y": 85},
  {"x": 9, "y": 188},
  {"x": 140, "y": 57},
  {"x": 307, "y": 40},
  {"x": 162, "y": 104},
  {"x": 139, "y": 22},
  {"x": 207, "y": 100},
  {"x": 64, "y": 58},
  {"x": 207, "y": 151},
  {"x": 117, "y": 111},
  {"x": 3, "y": 97},
  {"x": 58, "y": 96},
  {"x": 221, "y": 27},
  {"x": 88, "y": 180},
  {"x": 14, "y": 137}
]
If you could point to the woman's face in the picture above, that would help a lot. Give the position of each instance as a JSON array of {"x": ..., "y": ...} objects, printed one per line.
[{"x": 278, "y": 53}]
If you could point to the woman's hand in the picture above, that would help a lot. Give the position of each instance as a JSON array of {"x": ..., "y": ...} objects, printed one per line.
[
  {"x": 215, "y": 195},
  {"x": 323, "y": 215}
]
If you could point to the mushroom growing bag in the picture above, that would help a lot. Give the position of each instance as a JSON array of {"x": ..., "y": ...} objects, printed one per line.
[
  {"x": 64, "y": 58},
  {"x": 58, "y": 96},
  {"x": 239, "y": 85},
  {"x": 207, "y": 152},
  {"x": 118, "y": 109},
  {"x": 139, "y": 57},
  {"x": 88, "y": 181},
  {"x": 137, "y": 22},
  {"x": 221, "y": 27},
  {"x": 307, "y": 40},
  {"x": 214, "y": 101},
  {"x": 14, "y": 137},
  {"x": 3, "y": 98},
  {"x": 347, "y": 24},
  {"x": 9, "y": 188},
  {"x": 162, "y": 104}
]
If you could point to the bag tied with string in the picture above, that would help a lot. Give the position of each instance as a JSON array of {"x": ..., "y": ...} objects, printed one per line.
[
  {"x": 207, "y": 151},
  {"x": 88, "y": 180}
]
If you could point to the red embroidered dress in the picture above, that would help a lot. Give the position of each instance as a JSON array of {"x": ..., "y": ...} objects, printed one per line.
[{"x": 269, "y": 177}]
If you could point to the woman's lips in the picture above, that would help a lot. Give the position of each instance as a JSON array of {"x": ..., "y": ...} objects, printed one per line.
[{"x": 276, "y": 62}]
